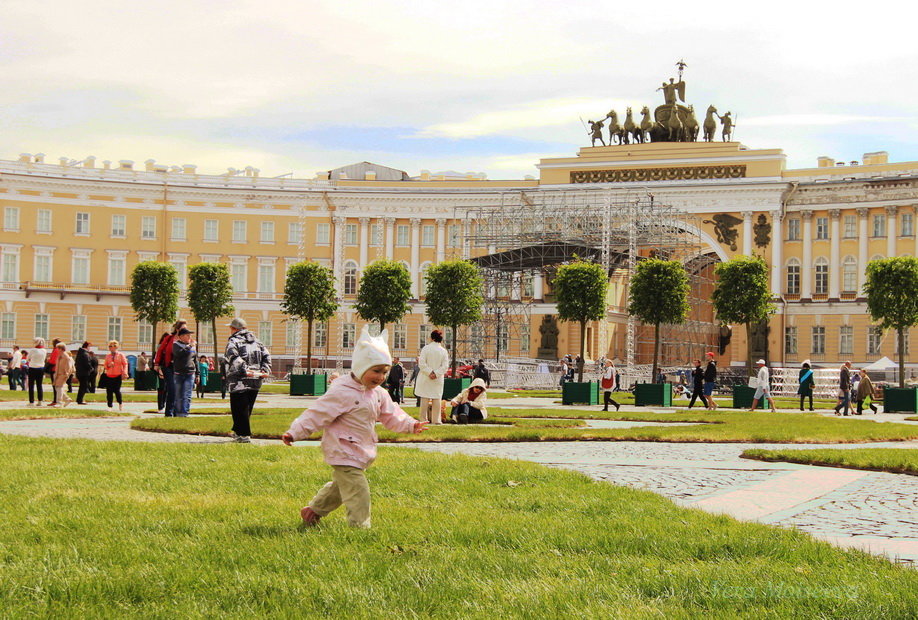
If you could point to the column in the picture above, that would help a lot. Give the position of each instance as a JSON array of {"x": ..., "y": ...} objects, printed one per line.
[
  {"x": 806, "y": 269},
  {"x": 747, "y": 233},
  {"x": 364, "y": 241},
  {"x": 338, "y": 252},
  {"x": 834, "y": 259},
  {"x": 441, "y": 240},
  {"x": 415, "y": 255},
  {"x": 537, "y": 287},
  {"x": 891, "y": 230},
  {"x": 862, "y": 240},
  {"x": 390, "y": 236},
  {"x": 777, "y": 250}
]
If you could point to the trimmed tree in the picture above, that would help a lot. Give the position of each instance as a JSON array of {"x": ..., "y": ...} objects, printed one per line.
[
  {"x": 580, "y": 294},
  {"x": 454, "y": 296},
  {"x": 385, "y": 288},
  {"x": 892, "y": 298},
  {"x": 309, "y": 295},
  {"x": 154, "y": 293},
  {"x": 658, "y": 295},
  {"x": 742, "y": 295},
  {"x": 209, "y": 294}
]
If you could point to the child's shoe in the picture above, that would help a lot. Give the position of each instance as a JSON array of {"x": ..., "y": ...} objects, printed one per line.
[{"x": 310, "y": 518}]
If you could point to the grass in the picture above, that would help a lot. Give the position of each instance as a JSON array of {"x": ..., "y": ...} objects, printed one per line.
[
  {"x": 35, "y": 413},
  {"x": 895, "y": 460},
  {"x": 713, "y": 428},
  {"x": 208, "y": 531}
]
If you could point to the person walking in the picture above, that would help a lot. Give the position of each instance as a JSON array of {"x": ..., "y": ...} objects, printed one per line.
[
  {"x": 222, "y": 376},
  {"x": 608, "y": 386},
  {"x": 396, "y": 381},
  {"x": 482, "y": 372},
  {"x": 203, "y": 374},
  {"x": 763, "y": 389},
  {"x": 865, "y": 390},
  {"x": 93, "y": 370},
  {"x": 143, "y": 363},
  {"x": 115, "y": 370},
  {"x": 697, "y": 384},
  {"x": 36, "y": 360},
  {"x": 844, "y": 389},
  {"x": 184, "y": 370},
  {"x": 248, "y": 362},
  {"x": 162, "y": 363},
  {"x": 15, "y": 373},
  {"x": 710, "y": 381},
  {"x": 433, "y": 362},
  {"x": 50, "y": 364},
  {"x": 63, "y": 370},
  {"x": 807, "y": 383},
  {"x": 83, "y": 368}
]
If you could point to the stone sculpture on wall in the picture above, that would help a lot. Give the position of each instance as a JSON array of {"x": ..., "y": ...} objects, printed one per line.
[
  {"x": 762, "y": 231},
  {"x": 725, "y": 229}
]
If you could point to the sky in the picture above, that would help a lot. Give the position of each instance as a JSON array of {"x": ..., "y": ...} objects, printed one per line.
[{"x": 304, "y": 86}]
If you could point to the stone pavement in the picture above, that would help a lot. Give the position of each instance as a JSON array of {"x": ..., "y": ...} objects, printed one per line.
[{"x": 874, "y": 511}]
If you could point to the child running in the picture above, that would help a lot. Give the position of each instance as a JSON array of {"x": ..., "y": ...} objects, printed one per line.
[{"x": 348, "y": 412}]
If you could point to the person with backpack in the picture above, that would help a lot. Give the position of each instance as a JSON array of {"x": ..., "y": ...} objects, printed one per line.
[
  {"x": 608, "y": 385},
  {"x": 248, "y": 362},
  {"x": 807, "y": 383}
]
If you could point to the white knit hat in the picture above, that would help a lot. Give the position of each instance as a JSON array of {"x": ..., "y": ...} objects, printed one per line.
[{"x": 370, "y": 351}]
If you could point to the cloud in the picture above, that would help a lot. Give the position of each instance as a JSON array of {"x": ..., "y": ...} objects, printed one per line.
[{"x": 812, "y": 120}]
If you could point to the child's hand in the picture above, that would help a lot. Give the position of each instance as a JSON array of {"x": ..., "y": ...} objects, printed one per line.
[
  {"x": 287, "y": 438},
  {"x": 420, "y": 427}
]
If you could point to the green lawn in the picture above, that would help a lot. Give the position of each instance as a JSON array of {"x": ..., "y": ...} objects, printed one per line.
[
  {"x": 714, "y": 427},
  {"x": 43, "y": 413},
  {"x": 895, "y": 460},
  {"x": 199, "y": 531},
  {"x": 129, "y": 396}
]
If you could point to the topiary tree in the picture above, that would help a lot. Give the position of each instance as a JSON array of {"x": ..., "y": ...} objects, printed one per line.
[
  {"x": 309, "y": 295},
  {"x": 892, "y": 298},
  {"x": 580, "y": 294},
  {"x": 658, "y": 294},
  {"x": 742, "y": 295},
  {"x": 385, "y": 288},
  {"x": 209, "y": 294},
  {"x": 154, "y": 293},
  {"x": 454, "y": 296}
]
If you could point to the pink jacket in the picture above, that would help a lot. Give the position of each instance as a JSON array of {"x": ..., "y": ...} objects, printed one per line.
[{"x": 348, "y": 412}]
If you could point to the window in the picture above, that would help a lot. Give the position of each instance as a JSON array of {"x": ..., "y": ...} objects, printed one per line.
[
  {"x": 821, "y": 280},
  {"x": 267, "y": 232},
  {"x": 8, "y": 325},
  {"x": 850, "y": 223},
  {"x": 179, "y": 229},
  {"x": 119, "y": 226},
  {"x": 350, "y": 278},
  {"x": 400, "y": 337},
  {"x": 503, "y": 337},
  {"x": 145, "y": 333},
  {"x": 320, "y": 335},
  {"x": 350, "y": 234},
  {"x": 239, "y": 231},
  {"x": 42, "y": 268},
  {"x": 78, "y": 328},
  {"x": 879, "y": 225},
  {"x": 402, "y": 235},
  {"x": 849, "y": 274},
  {"x": 43, "y": 225},
  {"x": 148, "y": 227},
  {"x": 116, "y": 270},
  {"x": 822, "y": 228},
  {"x": 238, "y": 277},
  {"x": 323, "y": 233},
  {"x": 181, "y": 270},
  {"x": 291, "y": 333},
  {"x": 264, "y": 332},
  {"x": 423, "y": 335},
  {"x": 80, "y": 271},
  {"x": 908, "y": 224},
  {"x": 347, "y": 336},
  {"x": 819, "y": 340},
  {"x": 205, "y": 336},
  {"x": 874, "y": 339},
  {"x": 793, "y": 277},
  {"x": 373, "y": 329},
  {"x": 114, "y": 328},
  {"x": 41, "y": 326},
  {"x": 211, "y": 230},
  {"x": 524, "y": 340},
  {"x": 11, "y": 219},
  {"x": 266, "y": 277},
  {"x": 896, "y": 338},
  {"x": 423, "y": 276},
  {"x": 845, "y": 340},
  {"x": 793, "y": 229},
  {"x": 527, "y": 286},
  {"x": 790, "y": 340},
  {"x": 294, "y": 233},
  {"x": 455, "y": 239},
  {"x": 82, "y": 223},
  {"x": 427, "y": 235},
  {"x": 376, "y": 234},
  {"x": 448, "y": 338}
]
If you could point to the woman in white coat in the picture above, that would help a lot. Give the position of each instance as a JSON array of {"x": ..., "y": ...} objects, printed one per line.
[{"x": 433, "y": 362}]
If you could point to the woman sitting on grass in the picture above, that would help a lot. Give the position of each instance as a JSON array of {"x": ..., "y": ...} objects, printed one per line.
[
  {"x": 348, "y": 412},
  {"x": 469, "y": 404}
]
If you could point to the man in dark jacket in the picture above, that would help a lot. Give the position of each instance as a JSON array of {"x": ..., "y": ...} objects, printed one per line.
[
  {"x": 396, "y": 380},
  {"x": 184, "y": 370},
  {"x": 710, "y": 380},
  {"x": 697, "y": 384},
  {"x": 84, "y": 371},
  {"x": 247, "y": 364},
  {"x": 844, "y": 388},
  {"x": 482, "y": 372}
]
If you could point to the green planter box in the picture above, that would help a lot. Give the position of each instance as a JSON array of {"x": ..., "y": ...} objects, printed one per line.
[
  {"x": 308, "y": 385},
  {"x": 575, "y": 393},
  {"x": 900, "y": 400},
  {"x": 451, "y": 387},
  {"x": 145, "y": 381},
  {"x": 653, "y": 394},
  {"x": 214, "y": 382},
  {"x": 743, "y": 396}
]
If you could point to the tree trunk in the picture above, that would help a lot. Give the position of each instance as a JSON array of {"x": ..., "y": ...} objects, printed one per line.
[
  {"x": 582, "y": 351},
  {"x": 309, "y": 347},
  {"x": 455, "y": 328},
  {"x": 901, "y": 357},
  {"x": 749, "y": 349},
  {"x": 155, "y": 345},
  {"x": 656, "y": 352},
  {"x": 213, "y": 328}
]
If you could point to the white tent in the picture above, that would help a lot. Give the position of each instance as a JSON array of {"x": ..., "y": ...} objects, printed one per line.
[{"x": 884, "y": 363}]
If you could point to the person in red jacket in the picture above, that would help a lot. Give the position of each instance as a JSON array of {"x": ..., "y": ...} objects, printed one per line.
[{"x": 162, "y": 364}]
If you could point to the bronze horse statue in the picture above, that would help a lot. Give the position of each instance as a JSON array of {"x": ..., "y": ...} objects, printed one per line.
[
  {"x": 629, "y": 129},
  {"x": 690, "y": 129},
  {"x": 646, "y": 125},
  {"x": 615, "y": 130},
  {"x": 674, "y": 125},
  {"x": 710, "y": 125}
]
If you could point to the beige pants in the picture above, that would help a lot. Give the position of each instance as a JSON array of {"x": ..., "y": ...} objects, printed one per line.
[
  {"x": 430, "y": 410},
  {"x": 61, "y": 393},
  {"x": 349, "y": 486}
]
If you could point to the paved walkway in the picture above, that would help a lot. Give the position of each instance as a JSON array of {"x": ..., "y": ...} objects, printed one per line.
[{"x": 874, "y": 511}]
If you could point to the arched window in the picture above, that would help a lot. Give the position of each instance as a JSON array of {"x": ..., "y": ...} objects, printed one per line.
[
  {"x": 821, "y": 279},
  {"x": 350, "y": 278},
  {"x": 849, "y": 274},
  {"x": 423, "y": 275},
  {"x": 793, "y": 277}
]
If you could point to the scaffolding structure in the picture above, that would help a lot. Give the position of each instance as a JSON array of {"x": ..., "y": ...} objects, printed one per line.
[{"x": 523, "y": 238}]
